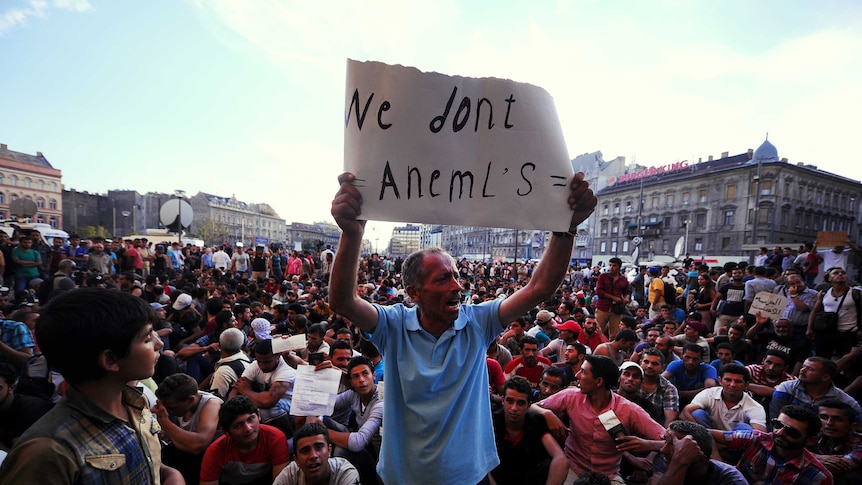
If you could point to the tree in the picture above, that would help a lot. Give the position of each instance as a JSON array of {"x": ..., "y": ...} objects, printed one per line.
[{"x": 213, "y": 232}]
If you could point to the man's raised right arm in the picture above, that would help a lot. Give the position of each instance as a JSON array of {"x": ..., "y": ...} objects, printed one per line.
[{"x": 346, "y": 208}]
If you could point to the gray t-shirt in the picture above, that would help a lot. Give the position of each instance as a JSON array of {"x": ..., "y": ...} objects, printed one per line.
[{"x": 341, "y": 473}]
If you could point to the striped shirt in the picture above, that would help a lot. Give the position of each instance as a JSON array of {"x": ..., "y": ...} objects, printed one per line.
[{"x": 760, "y": 465}]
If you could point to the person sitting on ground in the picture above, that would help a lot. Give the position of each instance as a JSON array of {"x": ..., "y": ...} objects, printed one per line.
[
  {"x": 314, "y": 464},
  {"x": 231, "y": 365},
  {"x": 268, "y": 382},
  {"x": 838, "y": 445},
  {"x": 620, "y": 349},
  {"x": 685, "y": 458},
  {"x": 780, "y": 456},
  {"x": 724, "y": 355},
  {"x": 765, "y": 376},
  {"x": 248, "y": 452},
  {"x": 528, "y": 364},
  {"x": 727, "y": 407},
  {"x": 189, "y": 420},
  {"x": 528, "y": 452},
  {"x": 690, "y": 375}
]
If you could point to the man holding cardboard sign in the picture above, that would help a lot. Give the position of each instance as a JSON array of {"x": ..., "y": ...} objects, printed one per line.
[{"x": 438, "y": 417}]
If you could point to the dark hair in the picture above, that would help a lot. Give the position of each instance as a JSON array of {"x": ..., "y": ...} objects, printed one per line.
[
  {"x": 239, "y": 309},
  {"x": 311, "y": 429},
  {"x": 338, "y": 345},
  {"x": 698, "y": 433},
  {"x": 604, "y": 368},
  {"x": 581, "y": 348},
  {"x": 654, "y": 352},
  {"x": 616, "y": 261},
  {"x": 725, "y": 345},
  {"x": 693, "y": 348},
  {"x": 213, "y": 305},
  {"x": 78, "y": 325},
  {"x": 829, "y": 365},
  {"x": 520, "y": 384},
  {"x": 318, "y": 329},
  {"x": 8, "y": 373},
  {"x": 735, "y": 369},
  {"x": 778, "y": 353},
  {"x": 263, "y": 347},
  {"x": 833, "y": 403},
  {"x": 738, "y": 328},
  {"x": 176, "y": 387},
  {"x": 629, "y": 322},
  {"x": 234, "y": 408},
  {"x": 527, "y": 339},
  {"x": 806, "y": 415},
  {"x": 357, "y": 361},
  {"x": 555, "y": 371},
  {"x": 368, "y": 349},
  {"x": 626, "y": 335}
]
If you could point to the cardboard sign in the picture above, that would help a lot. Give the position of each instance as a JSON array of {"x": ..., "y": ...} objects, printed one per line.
[
  {"x": 769, "y": 304},
  {"x": 431, "y": 148},
  {"x": 830, "y": 239}
]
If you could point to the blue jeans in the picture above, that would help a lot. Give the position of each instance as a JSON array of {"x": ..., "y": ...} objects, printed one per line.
[{"x": 702, "y": 418}]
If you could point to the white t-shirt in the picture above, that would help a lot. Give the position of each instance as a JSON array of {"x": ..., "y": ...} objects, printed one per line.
[
  {"x": 745, "y": 411},
  {"x": 341, "y": 472},
  {"x": 281, "y": 373}
]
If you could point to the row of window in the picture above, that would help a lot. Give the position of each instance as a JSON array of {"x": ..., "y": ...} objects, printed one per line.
[
  {"x": 40, "y": 201},
  {"x": 816, "y": 196},
  {"x": 39, "y": 218},
  {"x": 27, "y": 182}
]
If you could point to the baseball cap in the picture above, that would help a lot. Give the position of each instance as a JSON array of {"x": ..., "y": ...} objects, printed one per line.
[
  {"x": 628, "y": 364},
  {"x": 569, "y": 325},
  {"x": 543, "y": 316},
  {"x": 157, "y": 306},
  {"x": 183, "y": 301},
  {"x": 699, "y": 326}
]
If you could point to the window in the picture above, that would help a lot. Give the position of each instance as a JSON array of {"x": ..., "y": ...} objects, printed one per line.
[
  {"x": 655, "y": 201},
  {"x": 41, "y": 185},
  {"x": 40, "y": 219},
  {"x": 698, "y": 244},
  {"x": 53, "y": 204},
  {"x": 40, "y": 203},
  {"x": 700, "y": 220},
  {"x": 628, "y": 206},
  {"x": 625, "y": 246},
  {"x": 685, "y": 197},
  {"x": 665, "y": 245},
  {"x": 602, "y": 247},
  {"x": 614, "y": 247},
  {"x": 725, "y": 243},
  {"x": 13, "y": 197},
  {"x": 819, "y": 198},
  {"x": 2, "y": 198},
  {"x": 615, "y": 228},
  {"x": 668, "y": 220},
  {"x": 1, "y": 178},
  {"x": 785, "y": 215},
  {"x": 766, "y": 187},
  {"x": 605, "y": 210},
  {"x": 13, "y": 180},
  {"x": 617, "y": 208},
  {"x": 53, "y": 222},
  {"x": 730, "y": 193},
  {"x": 728, "y": 217},
  {"x": 604, "y": 231},
  {"x": 787, "y": 189},
  {"x": 669, "y": 200},
  {"x": 28, "y": 183},
  {"x": 701, "y": 195}
]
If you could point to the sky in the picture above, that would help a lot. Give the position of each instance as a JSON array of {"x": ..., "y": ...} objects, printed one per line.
[{"x": 246, "y": 98}]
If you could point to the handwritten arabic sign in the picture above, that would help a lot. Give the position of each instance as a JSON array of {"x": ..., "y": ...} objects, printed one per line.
[
  {"x": 828, "y": 239},
  {"x": 431, "y": 148},
  {"x": 770, "y": 304}
]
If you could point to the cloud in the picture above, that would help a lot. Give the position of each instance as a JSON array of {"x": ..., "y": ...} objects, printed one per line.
[{"x": 38, "y": 8}]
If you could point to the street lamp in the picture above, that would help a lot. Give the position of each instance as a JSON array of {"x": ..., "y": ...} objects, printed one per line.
[
  {"x": 181, "y": 195},
  {"x": 125, "y": 215},
  {"x": 687, "y": 223}
]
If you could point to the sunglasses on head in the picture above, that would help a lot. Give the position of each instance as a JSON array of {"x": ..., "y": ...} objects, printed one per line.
[{"x": 789, "y": 431}]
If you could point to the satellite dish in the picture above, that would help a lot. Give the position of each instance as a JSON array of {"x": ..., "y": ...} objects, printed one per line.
[
  {"x": 677, "y": 250},
  {"x": 23, "y": 208},
  {"x": 172, "y": 211}
]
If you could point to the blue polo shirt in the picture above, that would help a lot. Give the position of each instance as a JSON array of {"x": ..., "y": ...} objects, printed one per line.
[
  {"x": 681, "y": 380},
  {"x": 437, "y": 413}
]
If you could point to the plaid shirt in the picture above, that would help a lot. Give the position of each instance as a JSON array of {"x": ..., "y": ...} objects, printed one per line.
[
  {"x": 16, "y": 335},
  {"x": 665, "y": 396},
  {"x": 79, "y": 442},
  {"x": 759, "y": 465},
  {"x": 850, "y": 448}
]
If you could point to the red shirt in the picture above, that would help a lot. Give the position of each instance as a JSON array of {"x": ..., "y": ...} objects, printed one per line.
[
  {"x": 532, "y": 374},
  {"x": 271, "y": 448}
]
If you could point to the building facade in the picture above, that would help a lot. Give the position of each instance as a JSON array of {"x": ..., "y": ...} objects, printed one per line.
[
  {"x": 30, "y": 177},
  {"x": 404, "y": 240},
  {"x": 722, "y": 209},
  {"x": 217, "y": 219},
  {"x": 315, "y": 237}
]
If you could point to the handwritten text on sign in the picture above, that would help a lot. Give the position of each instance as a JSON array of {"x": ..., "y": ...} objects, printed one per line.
[
  {"x": 768, "y": 304},
  {"x": 439, "y": 149}
]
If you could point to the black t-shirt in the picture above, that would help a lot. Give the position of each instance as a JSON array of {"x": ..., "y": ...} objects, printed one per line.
[
  {"x": 733, "y": 297},
  {"x": 24, "y": 411},
  {"x": 525, "y": 461},
  {"x": 797, "y": 348}
]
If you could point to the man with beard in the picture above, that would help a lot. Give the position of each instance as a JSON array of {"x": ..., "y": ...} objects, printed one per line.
[
  {"x": 780, "y": 338},
  {"x": 779, "y": 457},
  {"x": 727, "y": 407},
  {"x": 765, "y": 376},
  {"x": 528, "y": 452},
  {"x": 815, "y": 384},
  {"x": 574, "y": 358},
  {"x": 591, "y": 337},
  {"x": 732, "y": 295},
  {"x": 838, "y": 447},
  {"x": 686, "y": 459},
  {"x": 656, "y": 388},
  {"x": 98, "y": 261},
  {"x": 439, "y": 345},
  {"x": 529, "y": 364}
]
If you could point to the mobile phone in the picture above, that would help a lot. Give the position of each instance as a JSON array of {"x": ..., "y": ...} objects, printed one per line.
[{"x": 315, "y": 358}]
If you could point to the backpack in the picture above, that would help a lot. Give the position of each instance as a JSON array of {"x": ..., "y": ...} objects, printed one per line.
[
  {"x": 238, "y": 367},
  {"x": 35, "y": 380},
  {"x": 669, "y": 293}
]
